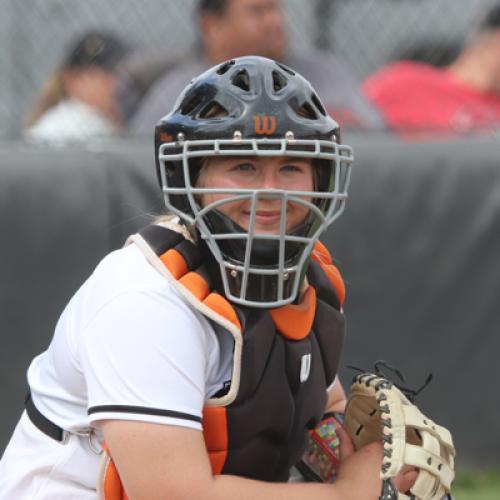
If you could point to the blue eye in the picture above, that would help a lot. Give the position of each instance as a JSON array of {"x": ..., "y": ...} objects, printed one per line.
[
  {"x": 244, "y": 167},
  {"x": 291, "y": 168}
]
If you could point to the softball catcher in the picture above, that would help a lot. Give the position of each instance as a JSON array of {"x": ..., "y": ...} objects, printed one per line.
[{"x": 201, "y": 354}]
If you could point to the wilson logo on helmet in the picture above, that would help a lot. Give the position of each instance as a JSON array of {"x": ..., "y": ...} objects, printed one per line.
[{"x": 264, "y": 124}]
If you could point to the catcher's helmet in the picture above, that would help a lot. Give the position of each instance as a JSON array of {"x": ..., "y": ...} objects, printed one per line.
[{"x": 253, "y": 106}]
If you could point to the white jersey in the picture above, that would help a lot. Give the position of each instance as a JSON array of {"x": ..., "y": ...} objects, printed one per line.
[
  {"x": 70, "y": 120},
  {"x": 127, "y": 346}
]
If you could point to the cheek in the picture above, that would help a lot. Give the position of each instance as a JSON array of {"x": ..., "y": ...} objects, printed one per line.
[
  {"x": 297, "y": 213},
  {"x": 207, "y": 199},
  {"x": 309, "y": 182},
  {"x": 300, "y": 182},
  {"x": 299, "y": 210},
  {"x": 212, "y": 177},
  {"x": 228, "y": 209}
]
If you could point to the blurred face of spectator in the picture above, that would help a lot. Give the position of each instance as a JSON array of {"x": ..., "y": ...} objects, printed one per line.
[
  {"x": 246, "y": 27},
  {"x": 94, "y": 86}
]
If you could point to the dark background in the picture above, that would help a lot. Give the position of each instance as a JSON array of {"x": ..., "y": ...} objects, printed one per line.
[{"x": 418, "y": 246}]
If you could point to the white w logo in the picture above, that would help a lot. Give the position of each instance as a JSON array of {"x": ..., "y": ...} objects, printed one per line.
[{"x": 305, "y": 367}]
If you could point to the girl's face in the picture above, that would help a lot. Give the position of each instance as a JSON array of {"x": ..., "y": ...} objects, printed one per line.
[{"x": 257, "y": 172}]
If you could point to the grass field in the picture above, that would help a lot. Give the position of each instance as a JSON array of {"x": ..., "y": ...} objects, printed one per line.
[{"x": 477, "y": 485}]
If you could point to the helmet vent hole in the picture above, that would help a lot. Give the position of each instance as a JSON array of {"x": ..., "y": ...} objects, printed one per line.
[
  {"x": 307, "y": 111},
  {"x": 224, "y": 67},
  {"x": 317, "y": 103},
  {"x": 213, "y": 110},
  {"x": 242, "y": 80},
  {"x": 279, "y": 81},
  {"x": 304, "y": 110},
  {"x": 286, "y": 69},
  {"x": 191, "y": 103}
]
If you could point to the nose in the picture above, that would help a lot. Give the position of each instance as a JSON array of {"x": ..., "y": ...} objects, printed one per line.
[{"x": 269, "y": 179}]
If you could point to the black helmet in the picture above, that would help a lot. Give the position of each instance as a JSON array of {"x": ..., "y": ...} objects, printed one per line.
[{"x": 253, "y": 106}]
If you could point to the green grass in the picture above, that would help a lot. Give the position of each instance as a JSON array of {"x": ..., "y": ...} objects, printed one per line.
[{"x": 477, "y": 485}]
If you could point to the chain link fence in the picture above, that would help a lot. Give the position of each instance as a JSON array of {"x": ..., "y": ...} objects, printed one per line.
[{"x": 364, "y": 33}]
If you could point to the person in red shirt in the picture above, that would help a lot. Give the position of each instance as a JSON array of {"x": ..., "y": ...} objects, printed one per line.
[{"x": 460, "y": 98}]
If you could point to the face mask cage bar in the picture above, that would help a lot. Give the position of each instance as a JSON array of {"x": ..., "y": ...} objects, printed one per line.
[{"x": 324, "y": 207}]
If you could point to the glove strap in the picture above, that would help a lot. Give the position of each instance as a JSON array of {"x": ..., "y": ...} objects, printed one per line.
[{"x": 389, "y": 491}]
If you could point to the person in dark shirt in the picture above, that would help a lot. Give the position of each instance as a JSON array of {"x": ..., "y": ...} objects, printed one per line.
[{"x": 233, "y": 28}]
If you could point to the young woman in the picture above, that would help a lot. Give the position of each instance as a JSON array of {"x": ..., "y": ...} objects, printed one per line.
[
  {"x": 200, "y": 355},
  {"x": 78, "y": 102}
]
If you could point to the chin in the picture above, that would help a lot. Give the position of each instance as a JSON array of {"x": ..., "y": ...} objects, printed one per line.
[{"x": 267, "y": 231}]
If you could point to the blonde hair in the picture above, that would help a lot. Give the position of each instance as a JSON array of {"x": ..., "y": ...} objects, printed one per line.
[
  {"x": 172, "y": 221},
  {"x": 52, "y": 92},
  {"x": 168, "y": 218},
  {"x": 202, "y": 173}
]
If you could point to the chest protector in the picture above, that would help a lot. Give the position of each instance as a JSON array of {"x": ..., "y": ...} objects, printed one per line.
[{"x": 284, "y": 360}]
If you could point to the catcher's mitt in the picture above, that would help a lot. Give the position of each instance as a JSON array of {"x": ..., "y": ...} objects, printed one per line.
[{"x": 377, "y": 410}]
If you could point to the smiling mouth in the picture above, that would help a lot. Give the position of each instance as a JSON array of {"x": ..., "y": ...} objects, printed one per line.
[{"x": 266, "y": 217}]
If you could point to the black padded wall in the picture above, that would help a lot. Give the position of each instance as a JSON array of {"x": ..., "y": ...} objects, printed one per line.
[{"x": 418, "y": 246}]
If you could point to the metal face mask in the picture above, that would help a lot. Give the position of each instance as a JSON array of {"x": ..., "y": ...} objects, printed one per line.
[{"x": 250, "y": 107}]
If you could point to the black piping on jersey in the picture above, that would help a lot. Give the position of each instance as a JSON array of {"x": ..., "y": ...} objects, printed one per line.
[{"x": 143, "y": 410}]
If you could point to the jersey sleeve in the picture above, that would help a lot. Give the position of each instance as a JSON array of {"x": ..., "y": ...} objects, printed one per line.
[{"x": 145, "y": 357}]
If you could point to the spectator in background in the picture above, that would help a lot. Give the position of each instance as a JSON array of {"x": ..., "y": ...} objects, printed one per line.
[
  {"x": 437, "y": 52},
  {"x": 459, "y": 98},
  {"x": 78, "y": 101},
  {"x": 232, "y": 28}
]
